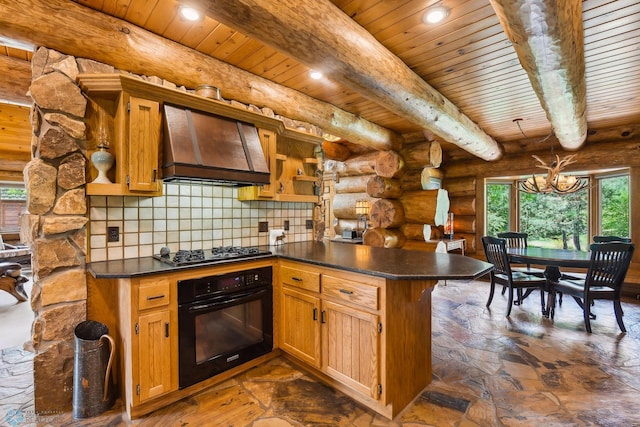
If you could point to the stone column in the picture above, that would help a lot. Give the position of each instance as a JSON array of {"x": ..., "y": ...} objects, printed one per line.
[{"x": 55, "y": 224}]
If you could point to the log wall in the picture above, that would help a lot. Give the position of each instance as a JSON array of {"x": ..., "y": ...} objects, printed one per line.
[{"x": 392, "y": 182}]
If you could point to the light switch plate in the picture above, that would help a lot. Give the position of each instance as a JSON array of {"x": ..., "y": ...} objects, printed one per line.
[{"x": 113, "y": 234}]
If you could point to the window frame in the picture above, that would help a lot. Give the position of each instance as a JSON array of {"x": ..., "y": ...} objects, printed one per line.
[{"x": 594, "y": 208}]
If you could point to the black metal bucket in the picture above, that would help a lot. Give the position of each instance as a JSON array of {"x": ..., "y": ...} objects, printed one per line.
[{"x": 92, "y": 384}]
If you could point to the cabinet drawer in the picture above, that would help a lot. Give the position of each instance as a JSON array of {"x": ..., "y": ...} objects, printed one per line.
[
  {"x": 153, "y": 293},
  {"x": 300, "y": 278},
  {"x": 348, "y": 290}
]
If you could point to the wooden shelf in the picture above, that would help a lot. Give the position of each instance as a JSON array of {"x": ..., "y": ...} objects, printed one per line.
[
  {"x": 104, "y": 189},
  {"x": 305, "y": 178},
  {"x": 297, "y": 198},
  {"x": 282, "y": 157},
  {"x": 310, "y": 161}
]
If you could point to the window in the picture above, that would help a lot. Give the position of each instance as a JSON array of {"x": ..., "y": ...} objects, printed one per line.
[
  {"x": 613, "y": 212},
  {"x": 555, "y": 221},
  {"x": 12, "y": 205},
  {"x": 498, "y": 207},
  {"x": 561, "y": 221}
]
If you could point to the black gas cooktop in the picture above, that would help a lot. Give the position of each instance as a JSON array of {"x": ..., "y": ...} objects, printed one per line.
[{"x": 208, "y": 256}]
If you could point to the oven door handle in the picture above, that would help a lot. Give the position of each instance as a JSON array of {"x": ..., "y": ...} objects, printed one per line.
[{"x": 221, "y": 301}]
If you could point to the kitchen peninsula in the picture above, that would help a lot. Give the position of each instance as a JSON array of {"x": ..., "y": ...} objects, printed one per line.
[{"x": 357, "y": 317}]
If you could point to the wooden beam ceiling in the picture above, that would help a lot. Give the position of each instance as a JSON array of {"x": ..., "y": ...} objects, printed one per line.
[
  {"x": 321, "y": 36},
  {"x": 549, "y": 41},
  {"x": 15, "y": 79},
  {"x": 83, "y": 32}
]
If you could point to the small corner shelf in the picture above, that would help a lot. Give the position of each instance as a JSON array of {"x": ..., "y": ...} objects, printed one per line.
[
  {"x": 281, "y": 157},
  {"x": 304, "y": 178},
  {"x": 310, "y": 161}
]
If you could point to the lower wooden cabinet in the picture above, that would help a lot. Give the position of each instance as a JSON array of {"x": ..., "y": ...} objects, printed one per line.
[
  {"x": 142, "y": 317},
  {"x": 367, "y": 336},
  {"x": 302, "y": 309},
  {"x": 338, "y": 336},
  {"x": 351, "y": 343},
  {"x": 152, "y": 334},
  {"x": 153, "y": 338}
]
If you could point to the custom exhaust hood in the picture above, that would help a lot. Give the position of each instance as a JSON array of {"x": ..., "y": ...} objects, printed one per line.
[{"x": 205, "y": 147}]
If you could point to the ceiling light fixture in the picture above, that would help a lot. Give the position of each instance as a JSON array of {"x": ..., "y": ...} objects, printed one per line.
[
  {"x": 435, "y": 14},
  {"x": 555, "y": 181},
  {"x": 315, "y": 75},
  {"x": 190, "y": 14}
]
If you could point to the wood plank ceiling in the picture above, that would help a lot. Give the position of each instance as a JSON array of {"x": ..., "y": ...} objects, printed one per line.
[{"x": 468, "y": 59}]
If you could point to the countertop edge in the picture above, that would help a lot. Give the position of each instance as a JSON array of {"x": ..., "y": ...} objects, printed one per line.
[
  {"x": 383, "y": 274},
  {"x": 337, "y": 257}
]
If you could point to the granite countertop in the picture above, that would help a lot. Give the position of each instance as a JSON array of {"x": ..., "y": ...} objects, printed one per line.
[{"x": 397, "y": 264}]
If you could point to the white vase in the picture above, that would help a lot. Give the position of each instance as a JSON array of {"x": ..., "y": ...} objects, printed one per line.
[{"x": 103, "y": 161}]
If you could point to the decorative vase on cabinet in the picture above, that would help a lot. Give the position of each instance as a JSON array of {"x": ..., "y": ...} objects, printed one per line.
[{"x": 103, "y": 161}]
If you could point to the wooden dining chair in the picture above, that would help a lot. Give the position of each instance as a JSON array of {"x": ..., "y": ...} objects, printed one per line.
[
  {"x": 496, "y": 252},
  {"x": 596, "y": 239},
  {"x": 519, "y": 240},
  {"x": 605, "y": 276},
  {"x": 608, "y": 239}
]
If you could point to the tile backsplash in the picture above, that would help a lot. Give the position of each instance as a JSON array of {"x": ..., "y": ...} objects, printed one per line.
[{"x": 188, "y": 216}]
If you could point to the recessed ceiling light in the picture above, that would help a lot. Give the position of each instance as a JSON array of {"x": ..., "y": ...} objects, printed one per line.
[
  {"x": 316, "y": 75},
  {"x": 189, "y": 13},
  {"x": 435, "y": 14}
]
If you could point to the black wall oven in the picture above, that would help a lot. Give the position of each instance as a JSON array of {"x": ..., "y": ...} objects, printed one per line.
[{"x": 223, "y": 321}]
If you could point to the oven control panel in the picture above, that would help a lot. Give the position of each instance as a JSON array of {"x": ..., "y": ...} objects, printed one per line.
[{"x": 204, "y": 287}]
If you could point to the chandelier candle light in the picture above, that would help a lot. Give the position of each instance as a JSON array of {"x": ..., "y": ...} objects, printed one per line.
[{"x": 554, "y": 182}]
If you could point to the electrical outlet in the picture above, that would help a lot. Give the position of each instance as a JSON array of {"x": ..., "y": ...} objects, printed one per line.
[
  {"x": 286, "y": 225},
  {"x": 113, "y": 234},
  {"x": 309, "y": 224},
  {"x": 263, "y": 226}
]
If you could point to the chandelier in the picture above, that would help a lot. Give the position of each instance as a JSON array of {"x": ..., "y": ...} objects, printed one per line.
[{"x": 555, "y": 181}]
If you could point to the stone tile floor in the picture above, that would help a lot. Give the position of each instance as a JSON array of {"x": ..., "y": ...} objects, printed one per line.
[{"x": 488, "y": 371}]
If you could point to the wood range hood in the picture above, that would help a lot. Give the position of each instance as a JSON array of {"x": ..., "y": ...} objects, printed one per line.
[{"x": 201, "y": 146}]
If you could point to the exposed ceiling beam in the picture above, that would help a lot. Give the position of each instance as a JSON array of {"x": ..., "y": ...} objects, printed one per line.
[
  {"x": 548, "y": 38},
  {"x": 15, "y": 79},
  {"x": 82, "y": 32},
  {"x": 321, "y": 36}
]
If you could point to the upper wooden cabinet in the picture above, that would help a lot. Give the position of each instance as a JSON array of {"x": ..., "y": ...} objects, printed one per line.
[
  {"x": 144, "y": 144},
  {"x": 293, "y": 166},
  {"x": 132, "y": 126}
]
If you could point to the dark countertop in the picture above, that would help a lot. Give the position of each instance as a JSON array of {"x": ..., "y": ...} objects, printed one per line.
[{"x": 397, "y": 264}]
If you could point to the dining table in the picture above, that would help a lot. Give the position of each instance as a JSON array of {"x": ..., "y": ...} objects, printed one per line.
[{"x": 553, "y": 259}]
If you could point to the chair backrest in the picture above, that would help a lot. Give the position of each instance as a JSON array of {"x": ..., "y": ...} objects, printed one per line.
[
  {"x": 609, "y": 264},
  {"x": 495, "y": 249},
  {"x": 607, "y": 239},
  {"x": 514, "y": 239}
]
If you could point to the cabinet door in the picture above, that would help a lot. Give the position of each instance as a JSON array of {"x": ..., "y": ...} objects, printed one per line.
[
  {"x": 154, "y": 354},
  {"x": 268, "y": 141},
  {"x": 144, "y": 143},
  {"x": 351, "y": 343},
  {"x": 300, "y": 325}
]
